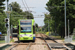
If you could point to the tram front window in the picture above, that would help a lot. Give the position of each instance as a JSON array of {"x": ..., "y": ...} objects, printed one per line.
[{"x": 25, "y": 29}]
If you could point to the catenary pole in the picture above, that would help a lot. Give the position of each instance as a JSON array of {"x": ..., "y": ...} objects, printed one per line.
[
  {"x": 8, "y": 28},
  {"x": 65, "y": 18}
]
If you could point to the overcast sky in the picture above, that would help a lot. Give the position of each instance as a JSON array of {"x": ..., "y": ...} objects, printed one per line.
[{"x": 39, "y": 8}]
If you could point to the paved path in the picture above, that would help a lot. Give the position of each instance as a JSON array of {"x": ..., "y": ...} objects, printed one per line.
[{"x": 3, "y": 44}]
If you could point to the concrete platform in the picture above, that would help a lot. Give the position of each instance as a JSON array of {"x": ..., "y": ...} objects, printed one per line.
[{"x": 1, "y": 45}]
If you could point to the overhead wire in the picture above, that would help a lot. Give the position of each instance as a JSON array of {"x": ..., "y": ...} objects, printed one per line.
[{"x": 24, "y": 5}]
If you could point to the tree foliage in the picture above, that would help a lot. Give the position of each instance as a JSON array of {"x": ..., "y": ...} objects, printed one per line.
[
  {"x": 2, "y": 17},
  {"x": 29, "y": 15},
  {"x": 1, "y": 6},
  {"x": 16, "y": 7},
  {"x": 56, "y": 9},
  {"x": 17, "y": 14},
  {"x": 36, "y": 27}
]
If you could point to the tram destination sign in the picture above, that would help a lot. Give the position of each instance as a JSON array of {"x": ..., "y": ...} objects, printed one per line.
[{"x": 25, "y": 22}]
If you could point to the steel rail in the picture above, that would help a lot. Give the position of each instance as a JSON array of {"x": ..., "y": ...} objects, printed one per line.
[
  {"x": 46, "y": 43},
  {"x": 51, "y": 38},
  {"x": 56, "y": 42},
  {"x": 13, "y": 47},
  {"x": 28, "y": 46}
]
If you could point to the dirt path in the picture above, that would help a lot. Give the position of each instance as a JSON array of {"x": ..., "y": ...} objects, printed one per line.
[
  {"x": 39, "y": 47},
  {"x": 20, "y": 47},
  {"x": 39, "y": 44},
  {"x": 39, "y": 40},
  {"x": 60, "y": 41},
  {"x": 50, "y": 41},
  {"x": 58, "y": 49},
  {"x": 38, "y": 35}
]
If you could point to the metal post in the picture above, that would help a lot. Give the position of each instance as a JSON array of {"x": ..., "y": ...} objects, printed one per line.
[
  {"x": 48, "y": 28},
  {"x": 8, "y": 29},
  {"x": 12, "y": 31},
  {"x": 68, "y": 28},
  {"x": 51, "y": 24},
  {"x": 55, "y": 25},
  {"x": 51, "y": 18},
  {"x": 11, "y": 8},
  {"x": 65, "y": 18},
  {"x": 37, "y": 29},
  {"x": 48, "y": 25}
]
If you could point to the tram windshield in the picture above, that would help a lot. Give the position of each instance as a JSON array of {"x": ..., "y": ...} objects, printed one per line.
[{"x": 25, "y": 29}]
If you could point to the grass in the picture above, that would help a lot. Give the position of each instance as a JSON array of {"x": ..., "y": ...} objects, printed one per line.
[
  {"x": 58, "y": 37},
  {"x": 37, "y": 32},
  {"x": 12, "y": 40},
  {"x": 73, "y": 40},
  {"x": 44, "y": 46},
  {"x": 40, "y": 32},
  {"x": 2, "y": 41}
]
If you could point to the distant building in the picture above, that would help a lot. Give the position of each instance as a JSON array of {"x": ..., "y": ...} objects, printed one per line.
[{"x": 39, "y": 26}]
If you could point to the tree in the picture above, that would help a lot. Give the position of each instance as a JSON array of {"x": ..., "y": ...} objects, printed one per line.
[
  {"x": 58, "y": 14},
  {"x": 1, "y": 6},
  {"x": 14, "y": 19},
  {"x": 17, "y": 14},
  {"x": 16, "y": 7},
  {"x": 2, "y": 23},
  {"x": 36, "y": 26},
  {"x": 2, "y": 17},
  {"x": 29, "y": 15},
  {"x": 48, "y": 18}
]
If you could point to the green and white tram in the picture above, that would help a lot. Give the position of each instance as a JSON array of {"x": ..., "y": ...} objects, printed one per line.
[{"x": 26, "y": 30}]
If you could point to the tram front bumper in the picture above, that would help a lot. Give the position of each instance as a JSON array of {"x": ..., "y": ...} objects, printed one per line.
[{"x": 26, "y": 38}]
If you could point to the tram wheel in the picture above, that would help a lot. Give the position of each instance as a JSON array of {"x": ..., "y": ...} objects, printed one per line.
[{"x": 18, "y": 40}]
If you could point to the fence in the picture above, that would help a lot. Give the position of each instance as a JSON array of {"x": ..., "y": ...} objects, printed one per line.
[
  {"x": 73, "y": 38},
  {"x": 2, "y": 39}
]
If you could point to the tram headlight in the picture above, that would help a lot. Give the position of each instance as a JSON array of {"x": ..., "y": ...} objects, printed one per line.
[
  {"x": 20, "y": 35},
  {"x": 30, "y": 35}
]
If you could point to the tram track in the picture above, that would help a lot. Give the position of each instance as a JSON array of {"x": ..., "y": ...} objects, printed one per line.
[
  {"x": 40, "y": 42},
  {"x": 46, "y": 43},
  {"x": 13, "y": 46},
  {"x": 29, "y": 46},
  {"x": 56, "y": 45},
  {"x": 16, "y": 46},
  {"x": 25, "y": 46}
]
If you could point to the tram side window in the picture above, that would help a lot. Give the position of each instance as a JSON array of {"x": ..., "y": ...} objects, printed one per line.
[
  {"x": 33, "y": 29},
  {"x": 21, "y": 28}
]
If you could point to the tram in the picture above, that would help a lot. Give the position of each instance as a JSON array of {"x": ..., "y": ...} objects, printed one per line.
[
  {"x": 14, "y": 31},
  {"x": 26, "y": 30}
]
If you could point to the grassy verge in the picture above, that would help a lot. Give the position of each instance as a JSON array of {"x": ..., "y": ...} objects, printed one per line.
[
  {"x": 40, "y": 32},
  {"x": 2, "y": 41},
  {"x": 58, "y": 37},
  {"x": 37, "y": 32},
  {"x": 12, "y": 40}
]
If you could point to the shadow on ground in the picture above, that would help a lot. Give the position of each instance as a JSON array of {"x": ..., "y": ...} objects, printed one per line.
[
  {"x": 43, "y": 38},
  {"x": 28, "y": 41},
  {"x": 70, "y": 46}
]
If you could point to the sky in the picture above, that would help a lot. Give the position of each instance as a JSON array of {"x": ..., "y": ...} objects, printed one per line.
[{"x": 39, "y": 8}]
